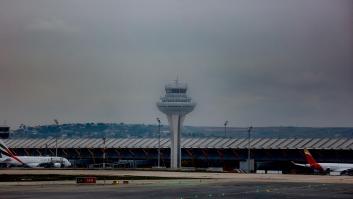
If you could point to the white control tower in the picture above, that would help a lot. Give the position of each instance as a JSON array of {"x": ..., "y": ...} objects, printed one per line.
[{"x": 175, "y": 104}]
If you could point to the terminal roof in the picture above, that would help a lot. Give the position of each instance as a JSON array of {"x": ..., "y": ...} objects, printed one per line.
[{"x": 209, "y": 143}]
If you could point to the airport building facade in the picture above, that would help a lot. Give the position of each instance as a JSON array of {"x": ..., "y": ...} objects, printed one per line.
[{"x": 226, "y": 153}]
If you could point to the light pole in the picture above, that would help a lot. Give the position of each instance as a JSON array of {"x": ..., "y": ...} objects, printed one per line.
[
  {"x": 104, "y": 152},
  {"x": 249, "y": 145},
  {"x": 159, "y": 141},
  {"x": 225, "y": 128},
  {"x": 56, "y": 138}
]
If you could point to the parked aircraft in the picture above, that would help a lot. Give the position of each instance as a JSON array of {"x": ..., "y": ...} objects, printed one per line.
[
  {"x": 9, "y": 158},
  {"x": 325, "y": 167}
]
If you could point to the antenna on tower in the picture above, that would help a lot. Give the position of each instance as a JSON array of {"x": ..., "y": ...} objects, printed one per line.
[{"x": 177, "y": 79}]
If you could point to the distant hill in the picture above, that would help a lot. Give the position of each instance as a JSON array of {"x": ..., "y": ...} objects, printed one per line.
[{"x": 122, "y": 130}]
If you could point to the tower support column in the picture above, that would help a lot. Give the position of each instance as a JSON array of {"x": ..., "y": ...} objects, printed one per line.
[{"x": 175, "y": 122}]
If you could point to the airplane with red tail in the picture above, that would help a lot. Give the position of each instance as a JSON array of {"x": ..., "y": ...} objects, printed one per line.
[{"x": 325, "y": 167}]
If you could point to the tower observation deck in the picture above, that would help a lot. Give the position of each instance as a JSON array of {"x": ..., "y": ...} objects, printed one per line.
[{"x": 175, "y": 104}]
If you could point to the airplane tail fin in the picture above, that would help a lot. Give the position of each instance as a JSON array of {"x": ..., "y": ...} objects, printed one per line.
[
  {"x": 5, "y": 151},
  {"x": 311, "y": 161}
]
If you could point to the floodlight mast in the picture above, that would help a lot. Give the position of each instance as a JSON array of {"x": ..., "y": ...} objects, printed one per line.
[
  {"x": 225, "y": 128},
  {"x": 159, "y": 142},
  {"x": 249, "y": 146},
  {"x": 56, "y": 137},
  {"x": 175, "y": 104}
]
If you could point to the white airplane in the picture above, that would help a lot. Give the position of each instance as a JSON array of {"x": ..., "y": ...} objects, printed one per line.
[
  {"x": 11, "y": 159},
  {"x": 325, "y": 167}
]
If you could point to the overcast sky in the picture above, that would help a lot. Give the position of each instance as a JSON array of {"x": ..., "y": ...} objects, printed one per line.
[{"x": 265, "y": 63}]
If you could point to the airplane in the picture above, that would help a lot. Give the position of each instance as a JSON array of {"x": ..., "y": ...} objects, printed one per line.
[
  {"x": 325, "y": 167},
  {"x": 9, "y": 158}
]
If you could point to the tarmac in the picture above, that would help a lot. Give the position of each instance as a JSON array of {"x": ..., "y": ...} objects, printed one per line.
[
  {"x": 199, "y": 185},
  {"x": 239, "y": 177}
]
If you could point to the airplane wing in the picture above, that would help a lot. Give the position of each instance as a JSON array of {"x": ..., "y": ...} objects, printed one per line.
[{"x": 301, "y": 165}]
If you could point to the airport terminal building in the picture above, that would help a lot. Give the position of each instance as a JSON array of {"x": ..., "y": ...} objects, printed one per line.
[{"x": 226, "y": 153}]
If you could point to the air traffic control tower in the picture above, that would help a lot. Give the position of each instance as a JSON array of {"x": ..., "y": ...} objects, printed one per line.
[{"x": 175, "y": 104}]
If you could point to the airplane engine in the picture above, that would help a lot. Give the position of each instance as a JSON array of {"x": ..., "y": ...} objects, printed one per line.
[
  {"x": 57, "y": 165},
  {"x": 328, "y": 170}
]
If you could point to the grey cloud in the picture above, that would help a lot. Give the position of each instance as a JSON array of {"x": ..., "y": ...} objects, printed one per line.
[
  {"x": 51, "y": 25},
  {"x": 265, "y": 62}
]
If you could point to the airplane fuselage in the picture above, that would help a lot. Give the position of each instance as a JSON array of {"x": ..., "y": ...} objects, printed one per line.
[
  {"x": 36, "y": 161},
  {"x": 335, "y": 166}
]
